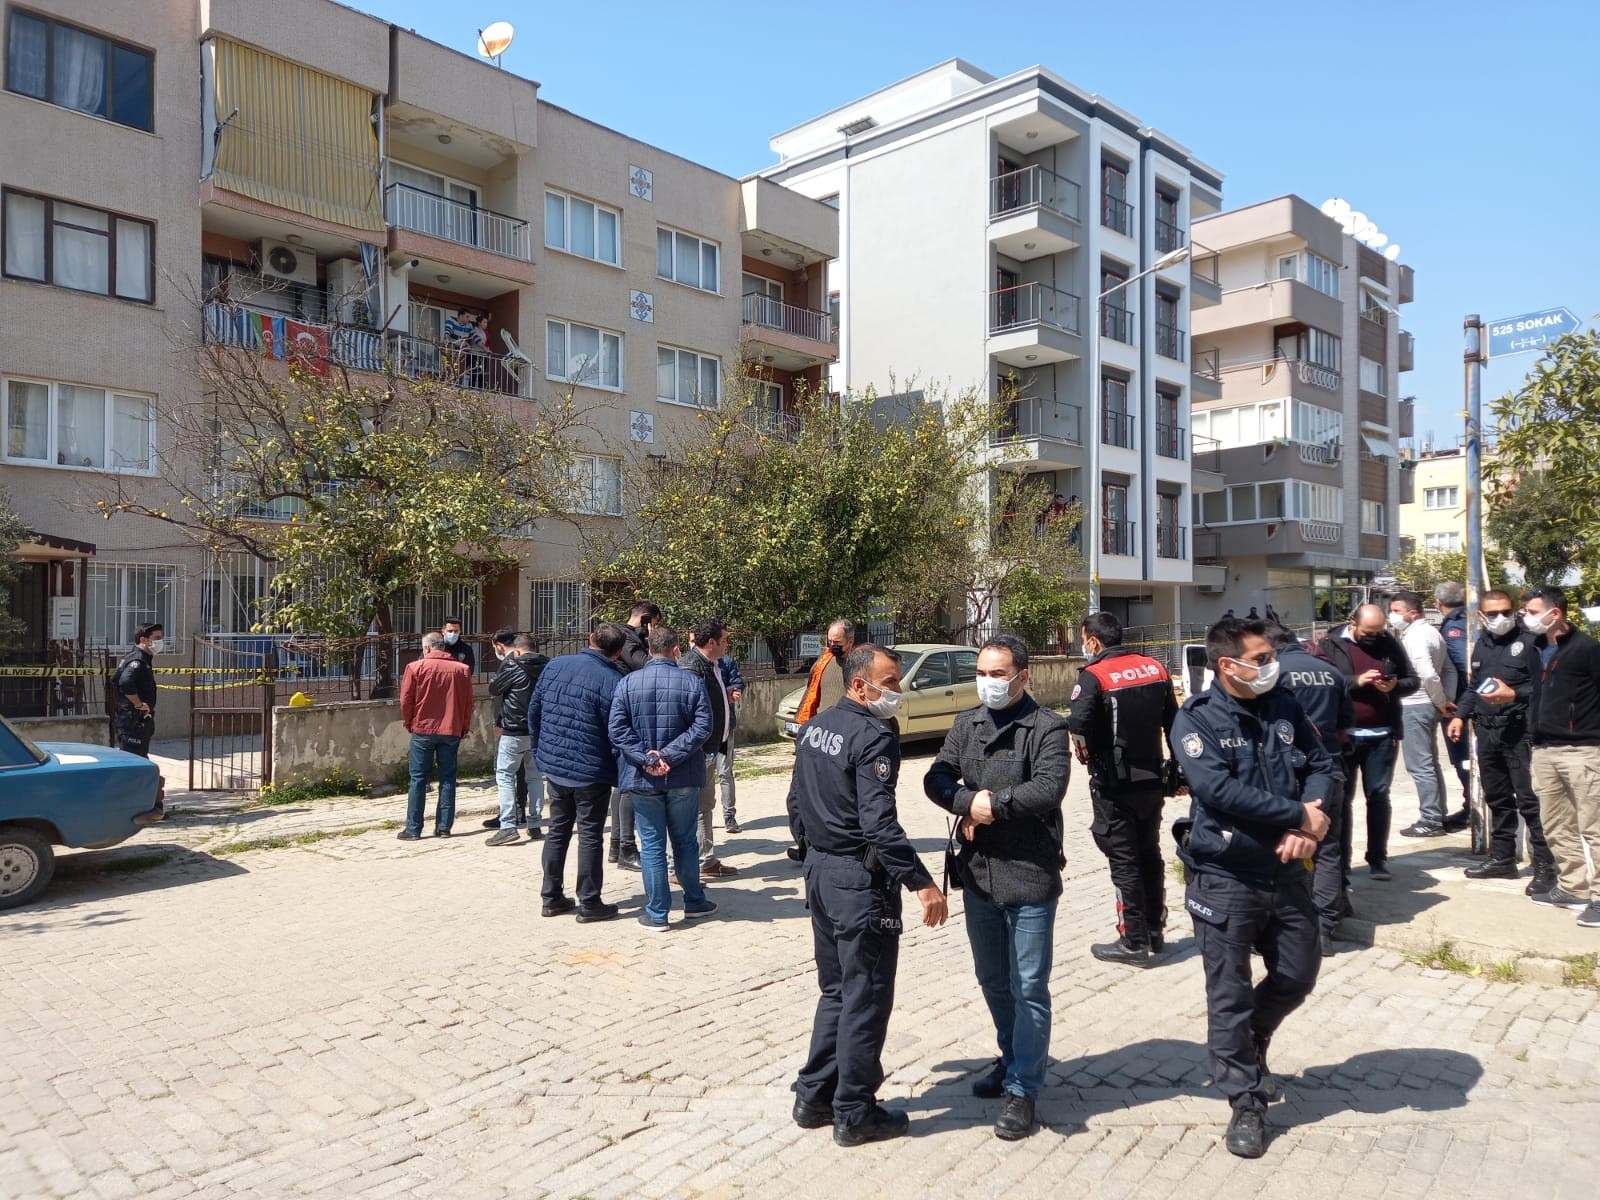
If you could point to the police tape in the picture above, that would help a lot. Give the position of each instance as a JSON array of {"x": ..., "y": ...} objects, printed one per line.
[{"x": 53, "y": 672}]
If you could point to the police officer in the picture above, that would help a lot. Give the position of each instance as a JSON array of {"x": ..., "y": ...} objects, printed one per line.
[
  {"x": 1451, "y": 598},
  {"x": 135, "y": 686},
  {"x": 1322, "y": 693},
  {"x": 1257, "y": 775},
  {"x": 1504, "y": 656},
  {"x": 842, "y": 804},
  {"x": 1121, "y": 706}
]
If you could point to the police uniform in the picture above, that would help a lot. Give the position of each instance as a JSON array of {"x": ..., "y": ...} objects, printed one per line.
[
  {"x": 1322, "y": 693},
  {"x": 135, "y": 678},
  {"x": 1453, "y": 630},
  {"x": 1250, "y": 765},
  {"x": 842, "y": 803},
  {"x": 1121, "y": 706},
  {"x": 1505, "y": 749}
]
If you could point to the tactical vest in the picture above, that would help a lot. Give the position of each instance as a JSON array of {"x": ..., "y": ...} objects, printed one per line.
[{"x": 1134, "y": 689}]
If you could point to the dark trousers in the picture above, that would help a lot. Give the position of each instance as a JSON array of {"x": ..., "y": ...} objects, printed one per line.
[
  {"x": 1505, "y": 759},
  {"x": 1461, "y": 759},
  {"x": 586, "y": 808},
  {"x": 1230, "y": 920},
  {"x": 622, "y": 834},
  {"x": 1328, "y": 880},
  {"x": 134, "y": 731},
  {"x": 855, "y": 936},
  {"x": 1374, "y": 758},
  {"x": 1127, "y": 828}
]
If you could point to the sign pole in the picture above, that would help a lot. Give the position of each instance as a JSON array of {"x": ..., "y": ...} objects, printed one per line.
[{"x": 1473, "y": 358}]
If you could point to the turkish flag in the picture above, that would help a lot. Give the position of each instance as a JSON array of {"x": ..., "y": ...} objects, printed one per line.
[{"x": 308, "y": 346}]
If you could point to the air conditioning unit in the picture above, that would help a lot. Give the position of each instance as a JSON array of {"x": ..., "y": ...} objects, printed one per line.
[
  {"x": 347, "y": 289},
  {"x": 1208, "y": 588},
  {"x": 1335, "y": 452},
  {"x": 293, "y": 264}
]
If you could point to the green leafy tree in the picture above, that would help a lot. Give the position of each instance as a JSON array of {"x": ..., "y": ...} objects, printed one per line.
[
  {"x": 1420, "y": 570},
  {"x": 1528, "y": 524},
  {"x": 12, "y": 532}
]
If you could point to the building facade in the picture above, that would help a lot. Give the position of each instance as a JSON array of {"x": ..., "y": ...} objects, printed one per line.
[
  {"x": 1298, "y": 427},
  {"x": 1433, "y": 501},
  {"x": 980, "y": 217}
]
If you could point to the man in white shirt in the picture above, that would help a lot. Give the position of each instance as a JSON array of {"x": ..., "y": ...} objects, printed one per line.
[{"x": 1423, "y": 709}]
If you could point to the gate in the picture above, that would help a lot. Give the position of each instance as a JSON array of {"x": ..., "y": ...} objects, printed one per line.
[{"x": 231, "y": 694}]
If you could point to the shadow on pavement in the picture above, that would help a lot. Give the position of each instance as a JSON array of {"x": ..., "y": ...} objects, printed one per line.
[{"x": 88, "y": 877}]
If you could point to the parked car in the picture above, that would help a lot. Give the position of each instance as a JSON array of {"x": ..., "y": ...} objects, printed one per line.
[
  {"x": 939, "y": 681},
  {"x": 66, "y": 794}
]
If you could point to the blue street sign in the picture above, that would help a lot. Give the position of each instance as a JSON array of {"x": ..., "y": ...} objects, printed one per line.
[{"x": 1530, "y": 331}]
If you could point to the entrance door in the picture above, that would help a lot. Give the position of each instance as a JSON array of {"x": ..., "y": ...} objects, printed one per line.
[{"x": 28, "y": 601}]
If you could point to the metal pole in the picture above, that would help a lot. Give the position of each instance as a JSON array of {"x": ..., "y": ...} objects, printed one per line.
[
  {"x": 1472, "y": 358},
  {"x": 1092, "y": 515}
]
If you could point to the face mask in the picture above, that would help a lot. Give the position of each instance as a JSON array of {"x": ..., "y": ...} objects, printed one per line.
[
  {"x": 1498, "y": 624},
  {"x": 501, "y": 654},
  {"x": 156, "y": 644},
  {"x": 1397, "y": 621},
  {"x": 836, "y": 651},
  {"x": 1266, "y": 677},
  {"x": 1539, "y": 623},
  {"x": 452, "y": 638},
  {"x": 885, "y": 706},
  {"x": 995, "y": 693}
]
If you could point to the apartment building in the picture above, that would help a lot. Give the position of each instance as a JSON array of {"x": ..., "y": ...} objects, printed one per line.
[
  {"x": 340, "y": 179},
  {"x": 1433, "y": 500},
  {"x": 1297, "y": 427},
  {"x": 980, "y": 217}
]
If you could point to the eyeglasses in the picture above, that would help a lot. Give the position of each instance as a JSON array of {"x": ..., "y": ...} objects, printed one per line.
[{"x": 1259, "y": 661}]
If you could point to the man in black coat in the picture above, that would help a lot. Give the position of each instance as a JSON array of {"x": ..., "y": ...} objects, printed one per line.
[
  {"x": 135, "y": 686},
  {"x": 708, "y": 642},
  {"x": 512, "y": 689}
]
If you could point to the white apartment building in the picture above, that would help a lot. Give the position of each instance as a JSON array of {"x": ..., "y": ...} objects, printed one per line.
[
  {"x": 1302, "y": 434},
  {"x": 979, "y": 219}
]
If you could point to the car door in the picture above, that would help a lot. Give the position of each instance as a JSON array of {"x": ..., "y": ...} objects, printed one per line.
[
  {"x": 930, "y": 689},
  {"x": 965, "y": 678}
]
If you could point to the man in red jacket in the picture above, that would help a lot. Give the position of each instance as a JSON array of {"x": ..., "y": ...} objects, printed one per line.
[{"x": 436, "y": 708}]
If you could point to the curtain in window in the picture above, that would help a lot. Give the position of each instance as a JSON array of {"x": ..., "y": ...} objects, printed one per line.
[
  {"x": 666, "y": 373},
  {"x": 133, "y": 260},
  {"x": 25, "y": 60},
  {"x": 130, "y": 433},
  {"x": 80, "y": 249},
  {"x": 611, "y": 361},
  {"x": 80, "y": 66},
  {"x": 27, "y": 420},
  {"x": 80, "y": 426},
  {"x": 25, "y": 237},
  {"x": 608, "y": 236}
]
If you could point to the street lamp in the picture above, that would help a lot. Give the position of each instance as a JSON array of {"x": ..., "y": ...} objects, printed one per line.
[{"x": 1093, "y": 495}]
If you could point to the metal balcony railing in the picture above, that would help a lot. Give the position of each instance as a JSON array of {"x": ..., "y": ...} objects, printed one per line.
[
  {"x": 278, "y": 335},
  {"x": 1172, "y": 441},
  {"x": 778, "y": 423},
  {"x": 1206, "y": 453},
  {"x": 469, "y": 367},
  {"x": 1032, "y": 304},
  {"x": 1034, "y": 187},
  {"x": 1204, "y": 268},
  {"x": 1116, "y": 428},
  {"x": 1171, "y": 540},
  {"x": 1033, "y": 418},
  {"x": 415, "y": 208},
  {"x": 1170, "y": 341},
  {"x": 1207, "y": 363},
  {"x": 1116, "y": 213},
  {"x": 1116, "y": 537},
  {"x": 787, "y": 318},
  {"x": 1116, "y": 323},
  {"x": 1169, "y": 236}
]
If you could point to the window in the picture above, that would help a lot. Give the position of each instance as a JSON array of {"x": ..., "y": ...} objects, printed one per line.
[
  {"x": 86, "y": 249},
  {"x": 583, "y": 354},
  {"x": 596, "y": 485},
  {"x": 684, "y": 377},
  {"x": 1312, "y": 270},
  {"x": 686, "y": 259},
  {"x": 73, "y": 68},
  {"x": 1169, "y": 236},
  {"x": 427, "y": 608},
  {"x": 582, "y": 228},
  {"x": 1243, "y": 425},
  {"x": 934, "y": 671},
  {"x": 1372, "y": 310},
  {"x": 1115, "y": 211},
  {"x": 1315, "y": 424},
  {"x": 1318, "y": 502},
  {"x": 1373, "y": 519},
  {"x": 1322, "y": 349},
  {"x": 120, "y": 597},
  {"x": 1372, "y": 377},
  {"x": 560, "y": 608},
  {"x": 66, "y": 425},
  {"x": 1441, "y": 543},
  {"x": 762, "y": 301},
  {"x": 1441, "y": 497},
  {"x": 966, "y": 665}
]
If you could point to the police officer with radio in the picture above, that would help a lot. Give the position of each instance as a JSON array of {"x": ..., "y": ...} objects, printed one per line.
[
  {"x": 1121, "y": 706},
  {"x": 842, "y": 805},
  {"x": 1258, "y": 776}
]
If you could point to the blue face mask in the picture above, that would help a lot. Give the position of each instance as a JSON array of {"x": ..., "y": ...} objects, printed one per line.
[{"x": 452, "y": 638}]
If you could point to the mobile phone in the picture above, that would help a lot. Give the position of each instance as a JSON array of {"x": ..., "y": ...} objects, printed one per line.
[{"x": 1488, "y": 687}]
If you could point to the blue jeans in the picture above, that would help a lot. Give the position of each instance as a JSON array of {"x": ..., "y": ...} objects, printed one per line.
[
  {"x": 661, "y": 817},
  {"x": 1012, "y": 948},
  {"x": 426, "y": 750},
  {"x": 516, "y": 750}
]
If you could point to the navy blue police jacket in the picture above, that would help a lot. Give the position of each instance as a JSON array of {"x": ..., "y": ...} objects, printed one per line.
[
  {"x": 1322, "y": 693},
  {"x": 1250, "y": 765}
]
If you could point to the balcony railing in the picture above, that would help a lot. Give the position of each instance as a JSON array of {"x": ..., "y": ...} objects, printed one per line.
[
  {"x": 1116, "y": 537},
  {"x": 1032, "y": 304},
  {"x": 1169, "y": 236},
  {"x": 777, "y": 422},
  {"x": 1034, "y": 187},
  {"x": 1169, "y": 341},
  {"x": 787, "y": 318},
  {"x": 1208, "y": 363},
  {"x": 1204, "y": 268},
  {"x": 1171, "y": 540},
  {"x": 1116, "y": 323},
  {"x": 468, "y": 367},
  {"x": 1172, "y": 441},
  {"x": 1116, "y": 213},
  {"x": 1033, "y": 418},
  {"x": 1116, "y": 428},
  {"x": 439, "y": 216},
  {"x": 1207, "y": 548},
  {"x": 1207, "y": 453}
]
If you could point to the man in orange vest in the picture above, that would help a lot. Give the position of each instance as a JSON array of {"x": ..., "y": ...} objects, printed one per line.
[{"x": 826, "y": 685}]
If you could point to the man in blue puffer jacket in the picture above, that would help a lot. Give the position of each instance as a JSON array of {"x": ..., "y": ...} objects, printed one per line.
[
  {"x": 568, "y": 719},
  {"x": 660, "y": 719}
]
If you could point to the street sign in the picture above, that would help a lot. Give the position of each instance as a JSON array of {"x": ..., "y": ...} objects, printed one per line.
[{"x": 1530, "y": 331}]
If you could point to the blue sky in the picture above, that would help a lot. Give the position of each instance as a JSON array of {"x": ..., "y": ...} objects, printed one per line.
[{"x": 1466, "y": 130}]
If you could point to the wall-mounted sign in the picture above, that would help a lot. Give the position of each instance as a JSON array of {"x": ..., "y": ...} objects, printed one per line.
[{"x": 63, "y": 618}]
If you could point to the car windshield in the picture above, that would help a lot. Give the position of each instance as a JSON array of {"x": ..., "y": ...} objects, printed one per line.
[{"x": 16, "y": 750}]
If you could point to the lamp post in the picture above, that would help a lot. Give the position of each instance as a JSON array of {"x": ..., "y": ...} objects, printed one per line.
[{"x": 1093, "y": 496}]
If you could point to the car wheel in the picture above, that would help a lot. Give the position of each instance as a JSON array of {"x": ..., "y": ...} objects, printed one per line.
[{"x": 26, "y": 864}]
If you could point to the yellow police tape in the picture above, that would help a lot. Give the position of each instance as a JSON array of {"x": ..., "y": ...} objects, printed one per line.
[{"x": 54, "y": 672}]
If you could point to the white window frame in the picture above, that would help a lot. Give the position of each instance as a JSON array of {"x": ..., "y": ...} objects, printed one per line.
[
  {"x": 1374, "y": 517},
  {"x": 1322, "y": 346},
  {"x": 594, "y": 504},
  {"x": 1302, "y": 501},
  {"x": 585, "y": 377},
  {"x": 696, "y": 401},
  {"x": 700, "y": 254},
  {"x": 120, "y": 620},
  {"x": 1444, "y": 496},
  {"x": 1441, "y": 543},
  {"x": 566, "y": 606},
  {"x": 1372, "y": 310},
  {"x": 565, "y": 199},
  {"x": 1316, "y": 425},
  {"x": 1371, "y": 377},
  {"x": 55, "y": 454},
  {"x": 1310, "y": 268}
]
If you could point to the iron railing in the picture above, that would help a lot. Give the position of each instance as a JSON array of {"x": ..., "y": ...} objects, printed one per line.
[
  {"x": 1207, "y": 363},
  {"x": 1116, "y": 213},
  {"x": 1170, "y": 540},
  {"x": 1034, "y": 187},
  {"x": 1204, "y": 268},
  {"x": 1117, "y": 537},
  {"x": 1169, "y": 235},
  {"x": 1032, "y": 304},
  {"x": 1116, "y": 323},
  {"x": 788, "y": 318},
  {"x": 1116, "y": 428},
  {"x": 1171, "y": 441},
  {"x": 463, "y": 366},
  {"x": 1030, "y": 418},
  {"x": 1206, "y": 453},
  {"x": 1169, "y": 341},
  {"x": 456, "y": 221}
]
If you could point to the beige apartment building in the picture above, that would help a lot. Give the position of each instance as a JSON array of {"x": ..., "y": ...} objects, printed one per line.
[
  {"x": 340, "y": 178},
  {"x": 1433, "y": 500},
  {"x": 1297, "y": 475}
]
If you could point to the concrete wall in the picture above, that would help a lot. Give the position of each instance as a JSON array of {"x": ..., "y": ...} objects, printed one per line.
[
  {"x": 1053, "y": 679},
  {"x": 93, "y": 730},
  {"x": 360, "y": 737}
]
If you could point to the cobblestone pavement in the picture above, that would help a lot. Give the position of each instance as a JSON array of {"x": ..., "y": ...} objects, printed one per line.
[{"x": 359, "y": 1016}]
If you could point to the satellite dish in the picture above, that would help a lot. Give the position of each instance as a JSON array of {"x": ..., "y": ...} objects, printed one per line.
[{"x": 496, "y": 39}]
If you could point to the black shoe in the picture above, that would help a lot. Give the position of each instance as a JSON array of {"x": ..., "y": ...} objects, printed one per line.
[
  {"x": 629, "y": 862},
  {"x": 1457, "y": 821},
  {"x": 535, "y": 834},
  {"x": 1247, "y": 1133},
  {"x": 560, "y": 906},
  {"x": 1380, "y": 871},
  {"x": 1420, "y": 830},
  {"x": 993, "y": 1085},
  {"x": 492, "y": 823},
  {"x": 597, "y": 912},
  {"x": 1158, "y": 941},
  {"x": 505, "y": 837},
  {"x": 1544, "y": 879},
  {"x": 1120, "y": 952},
  {"x": 611, "y": 854},
  {"x": 730, "y": 824},
  {"x": 812, "y": 1116},
  {"x": 441, "y": 833},
  {"x": 405, "y": 835},
  {"x": 1016, "y": 1119},
  {"x": 1326, "y": 941},
  {"x": 1493, "y": 868},
  {"x": 880, "y": 1126}
]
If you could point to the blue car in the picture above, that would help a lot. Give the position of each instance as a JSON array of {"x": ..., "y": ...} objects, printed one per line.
[{"x": 66, "y": 794}]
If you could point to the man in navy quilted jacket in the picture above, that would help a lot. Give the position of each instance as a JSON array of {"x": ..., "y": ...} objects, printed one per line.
[{"x": 567, "y": 719}]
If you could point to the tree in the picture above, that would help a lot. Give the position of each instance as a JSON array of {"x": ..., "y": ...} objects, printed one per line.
[
  {"x": 12, "y": 533},
  {"x": 1550, "y": 426},
  {"x": 352, "y": 486},
  {"x": 1528, "y": 523},
  {"x": 1420, "y": 570}
]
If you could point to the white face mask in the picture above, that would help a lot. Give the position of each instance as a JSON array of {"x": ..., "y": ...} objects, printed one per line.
[
  {"x": 156, "y": 644},
  {"x": 996, "y": 693},
  {"x": 1398, "y": 621},
  {"x": 1539, "y": 623},
  {"x": 452, "y": 638},
  {"x": 1266, "y": 676},
  {"x": 1499, "y": 624},
  {"x": 886, "y": 705}
]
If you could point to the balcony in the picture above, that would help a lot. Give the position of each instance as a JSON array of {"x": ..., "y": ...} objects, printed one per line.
[
  {"x": 1406, "y": 417},
  {"x": 481, "y": 251},
  {"x": 1116, "y": 429},
  {"x": 1210, "y": 568},
  {"x": 1032, "y": 324},
  {"x": 1172, "y": 441},
  {"x": 788, "y": 337},
  {"x": 1118, "y": 537},
  {"x": 1205, "y": 474},
  {"x": 1116, "y": 323},
  {"x": 1169, "y": 236},
  {"x": 1034, "y": 212},
  {"x": 1171, "y": 540},
  {"x": 1169, "y": 341},
  {"x": 1207, "y": 373},
  {"x": 777, "y": 422},
  {"x": 1205, "y": 280},
  {"x": 1408, "y": 351},
  {"x": 1035, "y": 430},
  {"x": 1283, "y": 379},
  {"x": 1273, "y": 302},
  {"x": 1116, "y": 214}
]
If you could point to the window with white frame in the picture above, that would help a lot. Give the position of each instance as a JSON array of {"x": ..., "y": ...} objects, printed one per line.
[
  {"x": 689, "y": 260},
  {"x": 596, "y": 485},
  {"x": 428, "y": 608},
  {"x": 434, "y": 204},
  {"x": 1373, "y": 517},
  {"x": 1315, "y": 424},
  {"x": 83, "y": 428},
  {"x": 1274, "y": 500},
  {"x": 684, "y": 377},
  {"x": 1241, "y": 425},
  {"x": 1317, "y": 502},
  {"x": 120, "y": 597},
  {"x": 1441, "y": 497},
  {"x": 1312, "y": 270},
  {"x": 1372, "y": 377},
  {"x": 1324, "y": 349},
  {"x": 1372, "y": 308},
  {"x": 1441, "y": 543},
  {"x": 73, "y": 246},
  {"x": 583, "y": 354},
  {"x": 561, "y": 608},
  {"x": 582, "y": 227}
]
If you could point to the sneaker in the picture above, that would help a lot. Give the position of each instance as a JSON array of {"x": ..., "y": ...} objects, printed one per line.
[
  {"x": 704, "y": 909},
  {"x": 1544, "y": 878},
  {"x": 650, "y": 922},
  {"x": 1120, "y": 951},
  {"x": 1492, "y": 868},
  {"x": 629, "y": 862},
  {"x": 717, "y": 869},
  {"x": 1016, "y": 1118},
  {"x": 405, "y": 835},
  {"x": 597, "y": 912},
  {"x": 730, "y": 824},
  {"x": 1247, "y": 1133},
  {"x": 1380, "y": 871},
  {"x": 1561, "y": 899},
  {"x": 812, "y": 1116},
  {"x": 559, "y": 906},
  {"x": 1589, "y": 918},
  {"x": 441, "y": 833},
  {"x": 1422, "y": 830},
  {"x": 535, "y": 834},
  {"x": 505, "y": 837},
  {"x": 993, "y": 1085},
  {"x": 492, "y": 823},
  {"x": 880, "y": 1125}
]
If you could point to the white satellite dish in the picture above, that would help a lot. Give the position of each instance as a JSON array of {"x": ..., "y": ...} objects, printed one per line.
[{"x": 495, "y": 40}]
